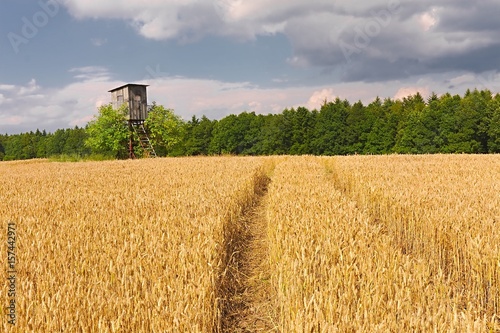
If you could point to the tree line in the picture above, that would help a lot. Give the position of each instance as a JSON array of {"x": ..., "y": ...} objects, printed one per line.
[{"x": 413, "y": 125}]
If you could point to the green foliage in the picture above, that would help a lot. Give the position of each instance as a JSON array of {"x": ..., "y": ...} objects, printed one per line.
[
  {"x": 330, "y": 134},
  {"x": 298, "y": 128},
  {"x": 3, "y": 140},
  {"x": 108, "y": 132},
  {"x": 197, "y": 136},
  {"x": 381, "y": 126},
  {"x": 40, "y": 144},
  {"x": 494, "y": 130},
  {"x": 165, "y": 127},
  {"x": 226, "y": 136},
  {"x": 79, "y": 158},
  {"x": 440, "y": 124}
]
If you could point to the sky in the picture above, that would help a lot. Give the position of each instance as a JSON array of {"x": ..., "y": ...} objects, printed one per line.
[{"x": 59, "y": 58}]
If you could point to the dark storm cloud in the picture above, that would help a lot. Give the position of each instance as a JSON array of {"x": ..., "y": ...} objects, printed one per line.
[
  {"x": 476, "y": 61},
  {"x": 374, "y": 70},
  {"x": 366, "y": 40},
  {"x": 476, "y": 16},
  {"x": 395, "y": 40}
]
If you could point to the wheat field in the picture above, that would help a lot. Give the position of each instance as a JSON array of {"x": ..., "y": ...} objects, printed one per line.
[
  {"x": 254, "y": 244},
  {"x": 386, "y": 244},
  {"x": 125, "y": 246}
]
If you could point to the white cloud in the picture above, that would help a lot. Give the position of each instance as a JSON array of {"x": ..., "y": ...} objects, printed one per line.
[
  {"x": 90, "y": 73},
  {"x": 7, "y": 87},
  {"x": 379, "y": 32},
  {"x": 29, "y": 89},
  {"x": 163, "y": 19},
  {"x": 31, "y": 106},
  {"x": 214, "y": 98},
  {"x": 408, "y": 91},
  {"x": 318, "y": 98},
  {"x": 10, "y": 120},
  {"x": 428, "y": 19},
  {"x": 76, "y": 103},
  {"x": 464, "y": 78}
]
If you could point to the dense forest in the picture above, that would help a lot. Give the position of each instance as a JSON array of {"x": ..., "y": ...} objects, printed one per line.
[{"x": 440, "y": 124}]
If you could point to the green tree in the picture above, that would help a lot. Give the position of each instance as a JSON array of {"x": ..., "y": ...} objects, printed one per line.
[
  {"x": 300, "y": 123},
  {"x": 494, "y": 130},
  {"x": 41, "y": 148},
  {"x": 417, "y": 137},
  {"x": 448, "y": 107},
  {"x": 108, "y": 132},
  {"x": 330, "y": 136},
  {"x": 250, "y": 124},
  {"x": 229, "y": 134},
  {"x": 281, "y": 133},
  {"x": 165, "y": 127},
  {"x": 75, "y": 142},
  {"x": 412, "y": 133},
  {"x": 469, "y": 133},
  {"x": 359, "y": 123},
  {"x": 55, "y": 142},
  {"x": 28, "y": 145},
  {"x": 255, "y": 135},
  {"x": 13, "y": 148},
  {"x": 193, "y": 140},
  {"x": 271, "y": 138},
  {"x": 382, "y": 136},
  {"x": 198, "y": 142},
  {"x": 225, "y": 137},
  {"x": 3, "y": 140}
]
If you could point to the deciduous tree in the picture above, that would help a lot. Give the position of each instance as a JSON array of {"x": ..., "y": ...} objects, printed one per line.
[{"x": 108, "y": 132}]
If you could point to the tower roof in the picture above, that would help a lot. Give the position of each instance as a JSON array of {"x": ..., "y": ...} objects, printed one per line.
[{"x": 129, "y": 84}]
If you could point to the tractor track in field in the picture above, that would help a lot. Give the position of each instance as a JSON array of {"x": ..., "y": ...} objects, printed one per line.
[{"x": 244, "y": 297}]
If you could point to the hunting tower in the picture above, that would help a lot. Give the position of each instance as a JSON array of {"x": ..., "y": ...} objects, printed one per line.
[{"x": 136, "y": 99}]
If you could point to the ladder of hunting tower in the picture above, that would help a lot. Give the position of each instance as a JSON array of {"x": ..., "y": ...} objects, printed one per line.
[{"x": 142, "y": 134}]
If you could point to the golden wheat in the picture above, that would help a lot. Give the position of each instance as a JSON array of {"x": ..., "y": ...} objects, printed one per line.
[
  {"x": 358, "y": 244},
  {"x": 123, "y": 246},
  {"x": 348, "y": 244},
  {"x": 442, "y": 209}
]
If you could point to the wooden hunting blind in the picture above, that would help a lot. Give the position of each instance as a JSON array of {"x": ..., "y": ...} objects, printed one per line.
[{"x": 136, "y": 98}]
